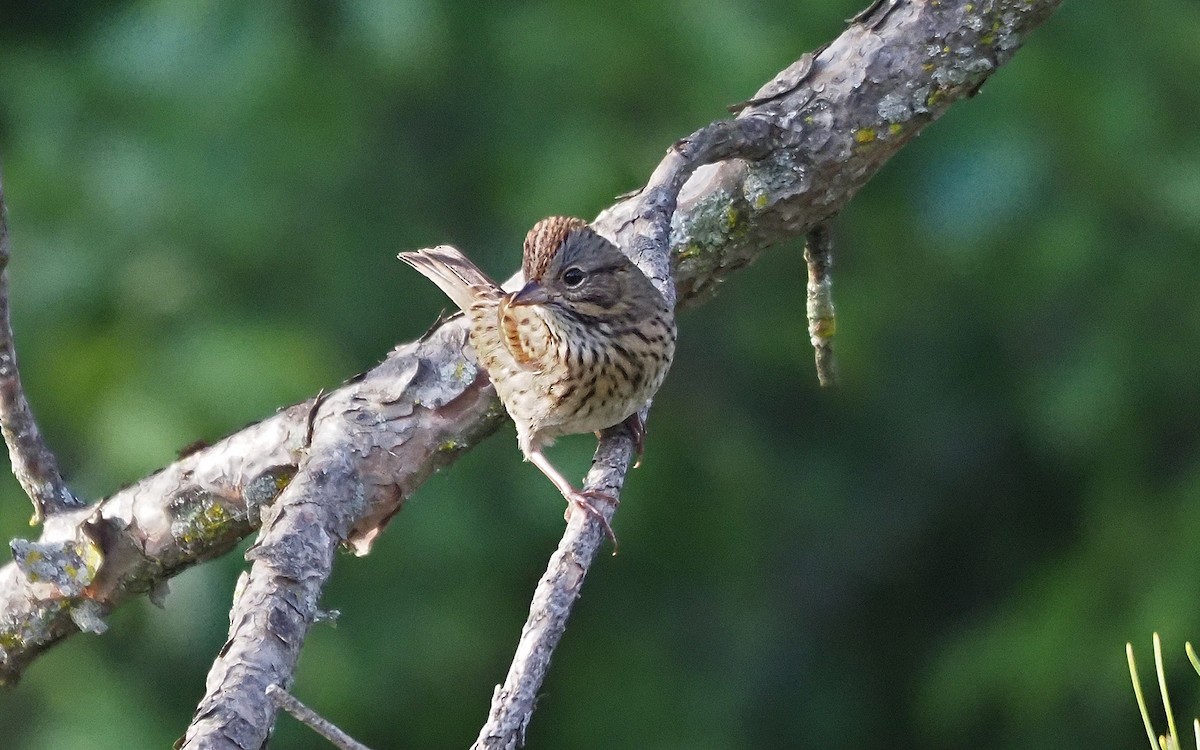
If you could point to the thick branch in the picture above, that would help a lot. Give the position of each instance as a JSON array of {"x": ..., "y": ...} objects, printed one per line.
[
  {"x": 32, "y": 462},
  {"x": 411, "y": 409},
  {"x": 277, "y": 601},
  {"x": 863, "y": 97}
]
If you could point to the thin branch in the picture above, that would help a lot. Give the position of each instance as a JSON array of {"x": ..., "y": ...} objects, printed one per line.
[
  {"x": 513, "y": 702},
  {"x": 311, "y": 719},
  {"x": 863, "y": 98},
  {"x": 32, "y": 462}
]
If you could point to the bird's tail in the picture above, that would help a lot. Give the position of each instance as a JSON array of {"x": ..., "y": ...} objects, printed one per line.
[{"x": 454, "y": 273}]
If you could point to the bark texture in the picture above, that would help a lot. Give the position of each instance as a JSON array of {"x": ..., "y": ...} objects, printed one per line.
[{"x": 277, "y": 601}]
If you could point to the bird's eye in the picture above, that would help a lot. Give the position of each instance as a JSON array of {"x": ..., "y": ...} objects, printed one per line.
[{"x": 572, "y": 277}]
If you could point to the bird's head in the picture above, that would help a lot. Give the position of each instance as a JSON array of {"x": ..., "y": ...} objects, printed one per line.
[{"x": 569, "y": 266}]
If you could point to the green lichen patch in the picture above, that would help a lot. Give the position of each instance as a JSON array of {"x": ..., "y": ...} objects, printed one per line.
[
  {"x": 706, "y": 227},
  {"x": 863, "y": 136},
  {"x": 264, "y": 488},
  {"x": 781, "y": 176},
  {"x": 464, "y": 372},
  {"x": 19, "y": 634},
  {"x": 825, "y": 328},
  {"x": 895, "y": 108},
  {"x": 203, "y": 520},
  {"x": 58, "y": 569}
]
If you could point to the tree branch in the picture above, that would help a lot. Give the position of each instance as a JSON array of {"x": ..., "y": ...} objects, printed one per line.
[
  {"x": 311, "y": 719},
  {"x": 277, "y": 601},
  {"x": 32, "y": 462},
  {"x": 861, "y": 99},
  {"x": 756, "y": 133},
  {"x": 514, "y": 701}
]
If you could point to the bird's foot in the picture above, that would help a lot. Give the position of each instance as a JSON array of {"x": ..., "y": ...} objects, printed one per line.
[
  {"x": 637, "y": 433},
  {"x": 583, "y": 500}
]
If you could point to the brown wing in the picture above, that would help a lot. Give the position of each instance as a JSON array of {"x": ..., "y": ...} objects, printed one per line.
[{"x": 525, "y": 335}]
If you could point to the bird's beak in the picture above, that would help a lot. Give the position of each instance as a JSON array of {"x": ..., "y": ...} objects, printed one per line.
[{"x": 531, "y": 294}]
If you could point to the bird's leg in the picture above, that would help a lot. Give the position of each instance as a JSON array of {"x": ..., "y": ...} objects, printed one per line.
[{"x": 581, "y": 498}]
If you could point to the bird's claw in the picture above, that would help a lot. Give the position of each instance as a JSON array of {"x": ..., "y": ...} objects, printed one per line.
[
  {"x": 637, "y": 433},
  {"x": 583, "y": 500}
]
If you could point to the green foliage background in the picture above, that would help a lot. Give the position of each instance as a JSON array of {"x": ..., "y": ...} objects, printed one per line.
[{"x": 949, "y": 550}]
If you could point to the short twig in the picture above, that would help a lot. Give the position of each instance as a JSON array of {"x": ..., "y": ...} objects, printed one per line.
[
  {"x": 818, "y": 254},
  {"x": 32, "y": 462},
  {"x": 311, "y": 719}
]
